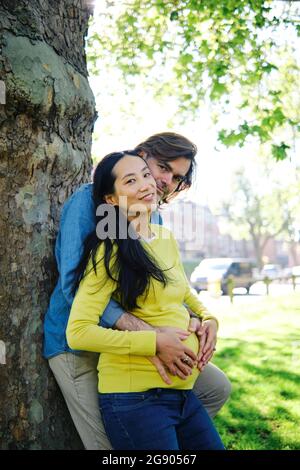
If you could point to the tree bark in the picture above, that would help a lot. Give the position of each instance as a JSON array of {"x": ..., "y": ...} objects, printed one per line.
[
  {"x": 45, "y": 141},
  {"x": 293, "y": 249},
  {"x": 256, "y": 240}
]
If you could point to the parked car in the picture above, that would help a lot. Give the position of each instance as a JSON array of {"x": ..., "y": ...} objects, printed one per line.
[
  {"x": 296, "y": 272},
  {"x": 272, "y": 271},
  {"x": 287, "y": 273},
  {"x": 220, "y": 269}
]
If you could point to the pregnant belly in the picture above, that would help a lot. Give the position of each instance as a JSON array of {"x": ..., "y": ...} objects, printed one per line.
[{"x": 192, "y": 342}]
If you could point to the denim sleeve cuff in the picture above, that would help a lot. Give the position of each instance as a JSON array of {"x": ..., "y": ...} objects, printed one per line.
[{"x": 111, "y": 314}]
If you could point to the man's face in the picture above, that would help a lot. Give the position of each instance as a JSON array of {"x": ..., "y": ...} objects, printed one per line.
[{"x": 169, "y": 174}]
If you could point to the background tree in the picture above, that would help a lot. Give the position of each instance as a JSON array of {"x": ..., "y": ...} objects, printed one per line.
[
  {"x": 229, "y": 53},
  {"x": 291, "y": 232},
  {"x": 45, "y": 141},
  {"x": 261, "y": 211}
]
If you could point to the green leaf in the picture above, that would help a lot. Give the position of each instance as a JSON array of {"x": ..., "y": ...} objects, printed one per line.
[
  {"x": 218, "y": 89},
  {"x": 174, "y": 16},
  {"x": 231, "y": 138},
  {"x": 268, "y": 67},
  {"x": 279, "y": 152},
  {"x": 186, "y": 59},
  {"x": 260, "y": 20}
]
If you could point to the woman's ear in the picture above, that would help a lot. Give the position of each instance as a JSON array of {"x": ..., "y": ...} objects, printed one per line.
[{"x": 110, "y": 199}]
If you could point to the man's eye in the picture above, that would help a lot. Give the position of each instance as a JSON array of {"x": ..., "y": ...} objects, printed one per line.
[
  {"x": 178, "y": 179},
  {"x": 147, "y": 174},
  {"x": 130, "y": 181},
  {"x": 162, "y": 167}
]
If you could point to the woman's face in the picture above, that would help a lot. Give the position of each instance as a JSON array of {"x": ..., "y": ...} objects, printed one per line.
[{"x": 135, "y": 187}]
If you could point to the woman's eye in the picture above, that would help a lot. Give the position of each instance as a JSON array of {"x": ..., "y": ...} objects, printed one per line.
[
  {"x": 147, "y": 174},
  {"x": 130, "y": 181}
]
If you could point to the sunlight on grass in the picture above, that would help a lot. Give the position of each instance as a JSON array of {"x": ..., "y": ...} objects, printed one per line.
[{"x": 259, "y": 349}]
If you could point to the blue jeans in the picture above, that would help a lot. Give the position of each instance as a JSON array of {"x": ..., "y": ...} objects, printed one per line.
[{"x": 158, "y": 419}]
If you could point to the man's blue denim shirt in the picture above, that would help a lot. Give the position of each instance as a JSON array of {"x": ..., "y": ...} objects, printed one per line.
[{"x": 77, "y": 221}]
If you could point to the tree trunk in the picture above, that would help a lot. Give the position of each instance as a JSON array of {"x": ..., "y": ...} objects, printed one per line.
[
  {"x": 257, "y": 250},
  {"x": 293, "y": 249},
  {"x": 45, "y": 141}
]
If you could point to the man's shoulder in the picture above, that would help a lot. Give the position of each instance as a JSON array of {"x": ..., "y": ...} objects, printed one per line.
[
  {"x": 156, "y": 218},
  {"x": 83, "y": 192},
  {"x": 83, "y": 196}
]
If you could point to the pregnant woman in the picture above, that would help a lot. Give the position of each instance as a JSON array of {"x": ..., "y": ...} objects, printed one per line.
[{"x": 138, "y": 264}]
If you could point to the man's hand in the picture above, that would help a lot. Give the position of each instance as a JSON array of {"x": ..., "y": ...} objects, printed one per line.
[
  {"x": 178, "y": 358},
  {"x": 195, "y": 325},
  {"x": 208, "y": 339}
]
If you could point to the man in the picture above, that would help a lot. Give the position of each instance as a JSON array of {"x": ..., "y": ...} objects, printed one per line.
[{"x": 171, "y": 159}]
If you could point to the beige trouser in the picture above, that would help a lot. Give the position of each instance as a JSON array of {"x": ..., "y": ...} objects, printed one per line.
[{"x": 77, "y": 378}]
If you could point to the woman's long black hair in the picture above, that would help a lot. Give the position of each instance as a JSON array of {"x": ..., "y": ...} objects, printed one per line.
[{"x": 132, "y": 266}]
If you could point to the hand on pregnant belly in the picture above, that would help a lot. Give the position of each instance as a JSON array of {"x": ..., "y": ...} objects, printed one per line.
[{"x": 177, "y": 351}]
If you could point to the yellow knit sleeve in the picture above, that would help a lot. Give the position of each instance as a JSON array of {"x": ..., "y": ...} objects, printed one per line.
[{"x": 83, "y": 331}]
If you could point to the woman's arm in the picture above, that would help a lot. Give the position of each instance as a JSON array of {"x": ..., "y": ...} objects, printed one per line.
[
  {"x": 83, "y": 331},
  {"x": 191, "y": 300}
]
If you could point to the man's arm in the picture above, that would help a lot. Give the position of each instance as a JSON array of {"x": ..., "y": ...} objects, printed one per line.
[
  {"x": 131, "y": 323},
  {"x": 77, "y": 222}
]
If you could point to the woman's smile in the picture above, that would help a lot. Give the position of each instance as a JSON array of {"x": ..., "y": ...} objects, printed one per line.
[{"x": 149, "y": 197}]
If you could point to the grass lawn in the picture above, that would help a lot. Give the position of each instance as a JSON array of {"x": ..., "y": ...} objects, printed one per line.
[{"x": 259, "y": 349}]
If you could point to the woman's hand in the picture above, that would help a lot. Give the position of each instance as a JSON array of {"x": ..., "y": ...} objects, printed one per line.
[{"x": 178, "y": 358}]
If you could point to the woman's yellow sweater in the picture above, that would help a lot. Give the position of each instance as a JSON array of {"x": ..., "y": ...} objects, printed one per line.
[{"x": 123, "y": 363}]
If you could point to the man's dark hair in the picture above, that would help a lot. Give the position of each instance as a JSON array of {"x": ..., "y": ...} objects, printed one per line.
[{"x": 168, "y": 146}]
